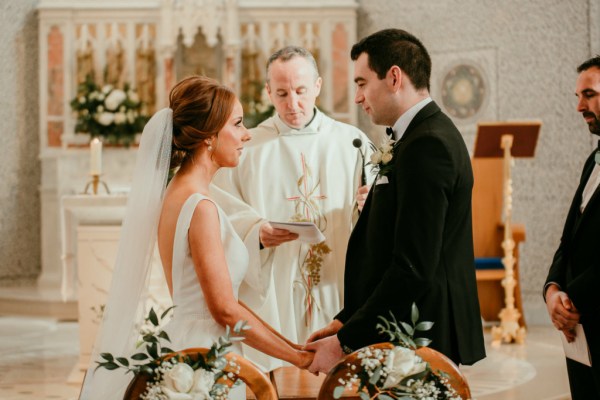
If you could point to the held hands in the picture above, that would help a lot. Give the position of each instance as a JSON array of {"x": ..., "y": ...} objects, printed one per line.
[
  {"x": 305, "y": 359},
  {"x": 361, "y": 196},
  {"x": 562, "y": 311},
  {"x": 328, "y": 351},
  {"x": 272, "y": 237},
  {"x": 326, "y": 346}
]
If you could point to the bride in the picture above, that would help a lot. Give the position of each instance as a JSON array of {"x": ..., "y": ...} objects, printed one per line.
[{"x": 204, "y": 260}]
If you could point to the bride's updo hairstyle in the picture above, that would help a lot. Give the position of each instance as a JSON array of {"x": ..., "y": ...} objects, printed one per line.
[{"x": 201, "y": 107}]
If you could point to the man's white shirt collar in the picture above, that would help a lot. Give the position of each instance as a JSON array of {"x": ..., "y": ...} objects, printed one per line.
[
  {"x": 312, "y": 128},
  {"x": 406, "y": 118}
]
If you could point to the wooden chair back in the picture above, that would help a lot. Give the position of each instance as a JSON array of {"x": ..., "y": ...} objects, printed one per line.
[
  {"x": 436, "y": 360},
  {"x": 257, "y": 382}
]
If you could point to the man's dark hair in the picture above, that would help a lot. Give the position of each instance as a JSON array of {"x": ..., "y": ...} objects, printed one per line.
[
  {"x": 391, "y": 47},
  {"x": 592, "y": 62}
]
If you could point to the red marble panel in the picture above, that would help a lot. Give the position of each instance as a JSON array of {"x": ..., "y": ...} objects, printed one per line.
[
  {"x": 55, "y": 131},
  {"x": 56, "y": 95},
  {"x": 341, "y": 61}
]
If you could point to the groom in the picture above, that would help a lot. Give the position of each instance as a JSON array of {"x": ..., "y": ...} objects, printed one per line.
[{"x": 413, "y": 241}]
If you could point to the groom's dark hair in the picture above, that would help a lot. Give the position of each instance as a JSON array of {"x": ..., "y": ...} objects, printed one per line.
[{"x": 391, "y": 47}]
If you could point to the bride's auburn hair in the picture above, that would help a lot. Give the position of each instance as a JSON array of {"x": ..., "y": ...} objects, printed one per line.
[{"x": 201, "y": 107}]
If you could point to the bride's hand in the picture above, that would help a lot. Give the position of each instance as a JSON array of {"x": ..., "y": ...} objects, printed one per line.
[
  {"x": 296, "y": 346},
  {"x": 305, "y": 358}
]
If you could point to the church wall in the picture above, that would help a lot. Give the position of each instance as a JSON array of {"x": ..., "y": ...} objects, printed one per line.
[
  {"x": 19, "y": 143},
  {"x": 529, "y": 51}
]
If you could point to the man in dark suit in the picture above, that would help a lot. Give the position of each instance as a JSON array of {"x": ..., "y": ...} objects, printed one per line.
[
  {"x": 413, "y": 241},
  {"x": 571, "y": 289}
]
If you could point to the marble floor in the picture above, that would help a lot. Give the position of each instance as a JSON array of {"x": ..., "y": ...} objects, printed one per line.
[{"x": 37, "y": 355}]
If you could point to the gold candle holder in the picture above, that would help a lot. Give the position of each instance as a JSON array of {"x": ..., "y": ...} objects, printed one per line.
[
  {"x": 95, "y": 182},
  {"x": 509, "y": 329}
]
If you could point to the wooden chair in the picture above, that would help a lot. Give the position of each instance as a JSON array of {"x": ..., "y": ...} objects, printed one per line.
[
  {"x": 436, "y": 360},
  {"x": 257, "y": 382},
  {"x": 488, "y": 233}
]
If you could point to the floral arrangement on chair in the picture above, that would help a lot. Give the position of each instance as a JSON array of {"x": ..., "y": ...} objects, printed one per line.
[
  {"x": 395, "y": 370},
  {"x": 108, "y": 112},
  {"x": 187, "y": 375}
]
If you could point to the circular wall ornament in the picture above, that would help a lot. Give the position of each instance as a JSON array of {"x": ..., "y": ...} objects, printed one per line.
[{"x": 463, "y": 91}]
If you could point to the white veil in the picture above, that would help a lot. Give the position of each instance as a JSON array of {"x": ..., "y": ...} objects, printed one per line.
[{"x": 124, "y": 310}]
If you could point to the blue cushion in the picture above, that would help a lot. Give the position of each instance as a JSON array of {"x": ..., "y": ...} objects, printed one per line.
[{"x": 489, "y": 263}]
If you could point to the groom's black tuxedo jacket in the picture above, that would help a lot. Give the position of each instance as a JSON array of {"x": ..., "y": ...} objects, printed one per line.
[
  {"x": 576, "y": 264},
  {"x": 413, "y": 242}
]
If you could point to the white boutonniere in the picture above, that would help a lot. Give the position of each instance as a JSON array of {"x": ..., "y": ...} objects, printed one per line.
[{"x": 382, "y": 156}]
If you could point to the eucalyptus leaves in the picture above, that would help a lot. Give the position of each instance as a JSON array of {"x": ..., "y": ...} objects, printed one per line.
[
  {"x": 398, "y": 372},
  {"x": 181, "y": 376}
]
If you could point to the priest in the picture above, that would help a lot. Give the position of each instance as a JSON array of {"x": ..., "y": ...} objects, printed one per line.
[{"x": 300, "y": 165}]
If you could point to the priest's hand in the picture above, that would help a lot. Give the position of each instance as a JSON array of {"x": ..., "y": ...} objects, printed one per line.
[
  {"x": 331, "y": 329},
  {"x": 561, "y": 309},
  {"x": 328, "y": 352},
  {"x": 361, "y": 196},
  {"x": 272, "y": 237}
]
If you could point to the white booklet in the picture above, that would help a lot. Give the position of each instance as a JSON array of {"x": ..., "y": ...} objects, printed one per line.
[
  {"x": 578, "y": 349},
  {"x": 307, "y": 231}
]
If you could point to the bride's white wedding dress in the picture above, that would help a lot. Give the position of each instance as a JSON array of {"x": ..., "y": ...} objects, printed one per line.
[{"x": 192, "y": 324}]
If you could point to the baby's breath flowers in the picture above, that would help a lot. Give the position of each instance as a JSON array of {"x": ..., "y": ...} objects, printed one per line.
[
  {"x": 180, "y": 375},
  {"x": 397, "y": 372}
]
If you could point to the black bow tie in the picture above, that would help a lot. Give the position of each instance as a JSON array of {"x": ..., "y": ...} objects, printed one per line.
[{"x": 390, "y": 132}]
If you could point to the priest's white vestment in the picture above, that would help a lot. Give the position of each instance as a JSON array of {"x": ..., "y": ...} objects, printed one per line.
[{"x": 289, "y": 174}]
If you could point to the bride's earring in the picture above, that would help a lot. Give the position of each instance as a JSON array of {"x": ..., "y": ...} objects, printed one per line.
[{"x": 210, "y": 148}]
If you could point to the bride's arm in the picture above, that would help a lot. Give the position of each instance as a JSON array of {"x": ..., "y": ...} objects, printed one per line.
[
  {"x": 211, "y": 268},
  {"x": 270, "y": 328}
]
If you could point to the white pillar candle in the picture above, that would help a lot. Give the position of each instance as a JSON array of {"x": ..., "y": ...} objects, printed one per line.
[{"x": 95, "y": 157}]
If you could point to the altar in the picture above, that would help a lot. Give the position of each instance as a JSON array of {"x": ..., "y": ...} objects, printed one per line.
[{"x": 91, "y": 226}]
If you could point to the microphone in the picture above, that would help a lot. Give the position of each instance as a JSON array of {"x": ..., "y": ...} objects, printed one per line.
[{"x": 358, "y": 144}]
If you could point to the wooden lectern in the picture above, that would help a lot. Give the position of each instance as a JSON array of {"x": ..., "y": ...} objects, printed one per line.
[{"x": 494, "y": 234}]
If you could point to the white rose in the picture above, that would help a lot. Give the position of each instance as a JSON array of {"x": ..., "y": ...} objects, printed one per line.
[
  {"x": 386, "y": 158},
  {"x": 106, "y": 89},
  {"x": 82, "y": 100},
  {"x": 99, "y": 109},
  {"x": 172, "y": 395},
  {"x": 120, "y": 118},
  {"x": 114, "y": 99},
  {"x": 133, "y": 96},
  {"x": 180, "y": 378},
  {"x": 131, "y": 116},
  {"x": 105, "y": 118},
  {"x": 376, "y": 157},
  {"x": 402, "y": 362},
  {"x": 203, "y": 383}
]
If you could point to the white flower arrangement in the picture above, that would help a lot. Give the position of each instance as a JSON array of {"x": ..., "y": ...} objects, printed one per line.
[
  {"x": 108, "y": 112},
  {"x": 181, "y": 375},
  {"x": 397, "y": 372},
  {"x": 382, "y": 156}
]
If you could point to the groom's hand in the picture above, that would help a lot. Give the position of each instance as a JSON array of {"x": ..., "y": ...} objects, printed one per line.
[
  {"x": 328, "y": 352},
  {"x": 331, "y": 329}
]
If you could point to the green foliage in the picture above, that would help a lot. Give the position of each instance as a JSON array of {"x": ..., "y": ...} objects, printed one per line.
[
  {"x": 370, "y": 381},
  {"x": 153, "y": 350}
]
